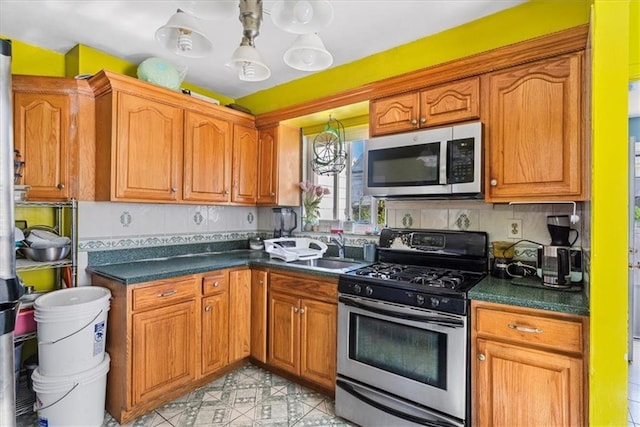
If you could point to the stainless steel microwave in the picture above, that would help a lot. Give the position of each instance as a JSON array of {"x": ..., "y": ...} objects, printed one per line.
[{"x": 434, "y": 162}]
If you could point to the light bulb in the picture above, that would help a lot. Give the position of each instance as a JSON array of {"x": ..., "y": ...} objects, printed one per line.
[
  {"x": 307, "y": 56},
  {"x": 185, "y": 42},
  {"x": 303, "y": 11},
  {"x": 247, "y": 71}
]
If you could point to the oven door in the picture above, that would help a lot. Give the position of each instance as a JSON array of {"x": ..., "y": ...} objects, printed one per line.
[{"x": 416, "y": 354}]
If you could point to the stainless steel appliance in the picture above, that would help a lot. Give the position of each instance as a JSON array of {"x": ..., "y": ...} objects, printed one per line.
[
  {"x": 285, "y": 220},
  {"x": 10, "y": 286},
  {"x": 434, "y": 162},
  {"x": 403, "y": 335},
  {"x": 555, "y": 259}
]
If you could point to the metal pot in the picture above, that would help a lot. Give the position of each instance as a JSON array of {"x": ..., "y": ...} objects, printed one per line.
[{"x": 256, "y": 243}]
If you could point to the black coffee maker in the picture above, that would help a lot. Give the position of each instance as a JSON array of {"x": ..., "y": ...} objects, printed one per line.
[{"x": 554, "y": 260}]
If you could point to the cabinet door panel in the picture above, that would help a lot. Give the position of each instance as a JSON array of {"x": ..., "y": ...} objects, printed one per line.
[
  {"x": 519, "y": 387},
  {"x": 318, "y": 339},
  {"x": 534, "y": 131},
  {"x": 284, "y": 332},
  {"x": 394, "y": 114},
  {"x": 149, "y": 150},
  {"x": 163, "y": 350},
  {"x": 259, "y": 315},
  {"x": 42, "y": 135},
  {"x": 207, "y": 158},
  {"x": 267, "y": 167},
  {"x": 453, "y": 102},
  {"x": 215, "y": 315},
  {"x": 239, "y": 314},
  {"x": 245, "y": 162}
]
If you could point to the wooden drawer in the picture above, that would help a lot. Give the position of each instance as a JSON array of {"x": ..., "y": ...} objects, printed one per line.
[
  {"x": 324, "y": 289},
  {"x": 530, "y": 328},
  {"x": 164, "y": 292},
  {"x": 215, "y": 283}
]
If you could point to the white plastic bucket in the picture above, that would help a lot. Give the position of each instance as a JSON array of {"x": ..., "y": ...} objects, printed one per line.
[
  {"x": 72, "y": 329},
  {"x": 74, "y": 400}
]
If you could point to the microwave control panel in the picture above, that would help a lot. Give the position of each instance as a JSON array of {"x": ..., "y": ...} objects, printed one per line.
[{"x": 460, "y": 163}]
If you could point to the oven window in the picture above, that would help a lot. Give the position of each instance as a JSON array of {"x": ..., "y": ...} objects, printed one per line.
[
  {"x": 414, "y": 165},
  {"x": 407, "y": 351}
]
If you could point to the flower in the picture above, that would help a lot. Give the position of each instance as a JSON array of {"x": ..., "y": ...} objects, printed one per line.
[{"x": 311, "y": 196}]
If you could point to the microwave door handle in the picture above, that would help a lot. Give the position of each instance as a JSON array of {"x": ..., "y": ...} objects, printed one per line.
[{"x": 444, "y": 160}]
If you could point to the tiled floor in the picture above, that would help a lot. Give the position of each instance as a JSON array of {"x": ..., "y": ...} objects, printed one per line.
[
  {"x": 249, "y": 396},
  {"x": 634, "y": 386}
]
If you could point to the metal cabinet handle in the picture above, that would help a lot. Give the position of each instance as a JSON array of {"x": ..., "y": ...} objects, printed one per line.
[
  {"x": 524, "y": 329},
  {"x": 168, "y": 293},
  {"x": 174, "y": 190},
  {"x": 226, "y": 192},
  {"x": 295, "y": 309},
  {"x": 481, "y": 357},
  {"x": 216, "y": 284},
  {"x": 493, "y": 182},
  {"x": 414, "y": 122},
  {"x": 273, "y": 194},
  {"x": 261, "y": 282},
  {"x": 60, "y": 186},
  {"x": 302, "y": 311},
  {"x": 423, "y": 120},
  {"x": 207, "y": 308}
]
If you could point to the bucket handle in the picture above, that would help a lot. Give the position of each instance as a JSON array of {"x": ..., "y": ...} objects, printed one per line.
[
  {"x": 35, "y": 405},
  {"x": 73, "y": 333}
]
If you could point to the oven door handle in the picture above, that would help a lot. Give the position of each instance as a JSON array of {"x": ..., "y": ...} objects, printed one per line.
[
  {"x": 411, "y": 418},
  {"x": 436, "y": 320}
]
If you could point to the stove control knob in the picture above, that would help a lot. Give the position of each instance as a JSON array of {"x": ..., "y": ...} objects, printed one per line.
[
  {"x": 420, "y": 299},
  {"x": 368, "y": 290},
  {"x": 435, "y": 302},
  {"x": 357, "y": 289}
]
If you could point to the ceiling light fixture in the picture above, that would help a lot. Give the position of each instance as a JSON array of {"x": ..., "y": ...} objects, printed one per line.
[{"x": 182, "y": 36}]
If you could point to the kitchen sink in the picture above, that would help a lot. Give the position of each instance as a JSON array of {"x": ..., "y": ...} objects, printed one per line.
[{"x": 330, "y": 263}]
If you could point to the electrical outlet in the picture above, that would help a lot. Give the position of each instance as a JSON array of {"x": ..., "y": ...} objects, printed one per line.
[{"x": 514, "y": 229}]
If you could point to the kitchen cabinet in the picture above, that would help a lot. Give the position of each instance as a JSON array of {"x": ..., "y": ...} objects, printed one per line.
[
  {"x": 448, "y": 103},
  {"x": 157, "y": 145},
  {"x": 529, "y": 366},
  {"x": 534, "y": 131},
  {"x": 259, "y": 315},
  {"x": 279, "y": 166},
  {"x": 239, "y": 314},
  {"x": 302, "y": 327},
  {"x": 215, "y": 321},
  {"x": 54, "y": 132}
]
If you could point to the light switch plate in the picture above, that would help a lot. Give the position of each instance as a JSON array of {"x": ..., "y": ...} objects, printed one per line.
[{"x": 514, "y": 229}]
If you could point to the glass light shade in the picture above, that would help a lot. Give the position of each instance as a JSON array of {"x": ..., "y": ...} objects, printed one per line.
[
  {"x": 210, "y": 10},
  {"x": 249, "y": 64},
  {"x": 308, "y": 54},
  {"x": 302, "y": 16},
  {"x": 182, "y": 36}
]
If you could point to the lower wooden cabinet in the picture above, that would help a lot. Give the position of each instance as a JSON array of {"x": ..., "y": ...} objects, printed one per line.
[
  {"x": 259, "y": 315},
  {"x": 528, "y": 367},
  {"x": 239, "y": 314},
  {"x": 215, "y": 322},
  {"x": 302, "y": 327}
]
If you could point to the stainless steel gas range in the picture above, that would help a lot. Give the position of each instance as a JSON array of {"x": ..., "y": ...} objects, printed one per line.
[{"x": 403, "y": 336}]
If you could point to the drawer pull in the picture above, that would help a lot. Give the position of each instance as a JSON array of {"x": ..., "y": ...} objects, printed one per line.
[
  {"x": 524, "y": 329},
  {"x": 207, "y": 308},
  {"x": 216, "y": 284},
  {"x": 482, "y": 357},
  {"x": 168, "y": 293}
]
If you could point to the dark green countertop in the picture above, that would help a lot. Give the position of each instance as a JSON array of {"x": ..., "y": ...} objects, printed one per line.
[
  {"x": 503, "y": 291},
  {"x": 129, "y": 273}
]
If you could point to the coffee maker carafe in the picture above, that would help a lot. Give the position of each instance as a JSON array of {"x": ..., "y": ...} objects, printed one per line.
[
  {"x": 554, "y": 260},
  {"x": 285, "y": 220}
]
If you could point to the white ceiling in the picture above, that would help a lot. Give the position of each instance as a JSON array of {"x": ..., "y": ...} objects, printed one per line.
[{"x": 126, "y": 28}]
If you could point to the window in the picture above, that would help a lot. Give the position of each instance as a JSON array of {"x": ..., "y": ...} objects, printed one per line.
[{"x": 346, "y": 201}]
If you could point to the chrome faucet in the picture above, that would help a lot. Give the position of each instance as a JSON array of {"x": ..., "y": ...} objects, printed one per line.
[{"x": 339, "y": 241}]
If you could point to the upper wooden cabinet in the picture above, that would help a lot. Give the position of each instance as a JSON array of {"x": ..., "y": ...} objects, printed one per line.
[
  {"x": 528, "y": 366},
  {"x": 534, "y": 131},
  {"x": 157, "y": 145},
  {"x": 54, "y": 132},
  {"x": 448, "y": 103},
  {"x": 279, "y": 166}
]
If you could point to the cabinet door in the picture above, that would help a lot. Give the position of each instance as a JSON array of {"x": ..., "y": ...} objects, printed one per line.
[
  {"x": 43, "y": 132},
  {"x": 148, "y": 150},
  {"x": 453, "y": 102},
  {"x": 318, "y": 342},
  {"x": 215, "y": 336},
  {"x": 267, "y": 166},
  {"x": 245, "y": 162},
  {"x": 517, "y": 386},
  {"x": 239, "y": 314},
  {"x": 284, "y": 332},
  {"x": 259, "y": 315},
  {"x": 207, "y": 158},
  {"x": 164, "y": 350},
  {"x": 394, "y": 114},
  {"x": 534, "y": 131}
]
